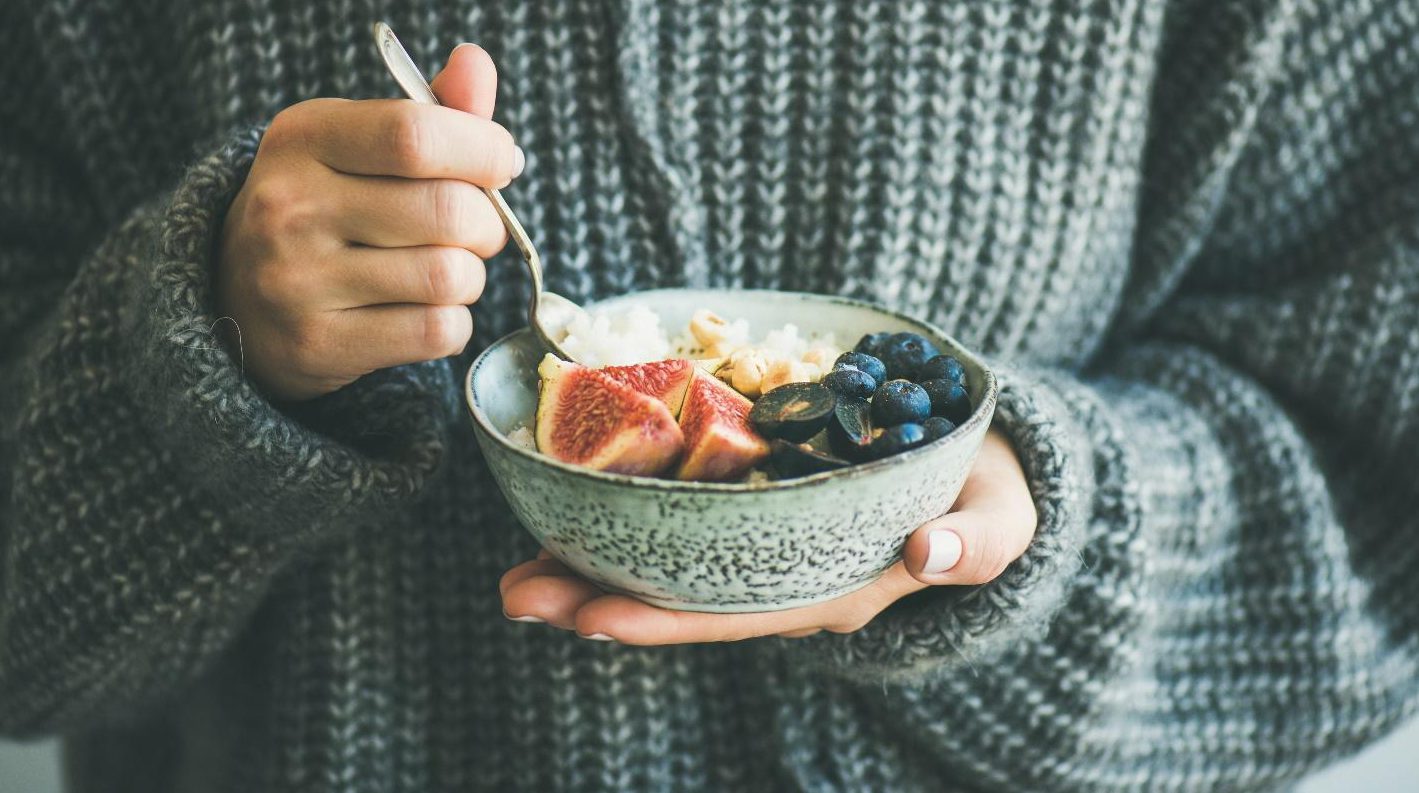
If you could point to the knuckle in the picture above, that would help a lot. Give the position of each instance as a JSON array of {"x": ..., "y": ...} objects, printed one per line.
[
  {"x": 309, "y": 344},
  {"x": 451, "y": 203},
  {"x": 266, "y": 205},
  {"x": 984, "y": 563},
  {"x": 410, "y": 137},
  {"x": 446, "y": 329},
  {"x": 490, "y": 235},
  {"x": 277, "y": 209},
  {"x": 499, "y": 155},
  {"x": 273, "y": 284},
  {"x": 449, "y": 276},
  {"x": 287, "y": 126},
  {"x": 298, "y": 124}
]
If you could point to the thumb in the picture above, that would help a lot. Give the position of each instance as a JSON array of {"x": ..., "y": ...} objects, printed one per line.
[
  {"x": 992, "y": 525},
  {"x": 469, "y": 81}
]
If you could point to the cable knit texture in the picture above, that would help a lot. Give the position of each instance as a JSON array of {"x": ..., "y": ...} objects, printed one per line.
[{"x": 1187, "y": 233}]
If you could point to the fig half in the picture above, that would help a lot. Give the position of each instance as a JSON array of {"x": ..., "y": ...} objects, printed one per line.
[
  {"x": 665, "y": 380},
  {"x": 588, "y": 418},
  {"x": 720, "y": 444}
]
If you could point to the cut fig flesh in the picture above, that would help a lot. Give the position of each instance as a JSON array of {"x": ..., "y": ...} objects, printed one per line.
[
  {"x": 720, "y": 444},
  {"x": 665, "y": 380},
  {"x": 587, "y": 418}
]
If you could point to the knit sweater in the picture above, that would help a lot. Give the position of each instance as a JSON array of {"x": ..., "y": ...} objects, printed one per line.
[{"x": 1186, "y": 233}]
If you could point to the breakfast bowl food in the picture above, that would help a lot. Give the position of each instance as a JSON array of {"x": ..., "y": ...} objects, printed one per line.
[{"x": 833, "y": 512}]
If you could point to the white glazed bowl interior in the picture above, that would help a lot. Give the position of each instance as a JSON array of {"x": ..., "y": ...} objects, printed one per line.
[{"x": 725, "y": 547}]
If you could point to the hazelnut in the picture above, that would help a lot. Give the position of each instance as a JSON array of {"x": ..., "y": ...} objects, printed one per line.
[
  {"x": 747, "y": 375},
  {"x": 708, "y": 328},
  {"x": 783, "y": 372}
]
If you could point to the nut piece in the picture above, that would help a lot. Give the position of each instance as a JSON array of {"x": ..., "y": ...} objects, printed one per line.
[
  {"x": 783, "y": 372},
  {"x": 722, "y": 349},
  {"x": 747, "y": 372},
  {"x": 708, "y": 327}
]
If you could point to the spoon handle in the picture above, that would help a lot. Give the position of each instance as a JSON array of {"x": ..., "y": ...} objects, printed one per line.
[{"x": 407, "y": 74}]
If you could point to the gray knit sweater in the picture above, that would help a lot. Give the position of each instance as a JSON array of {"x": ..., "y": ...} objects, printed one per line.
[{"x": 1187, "y": 232}]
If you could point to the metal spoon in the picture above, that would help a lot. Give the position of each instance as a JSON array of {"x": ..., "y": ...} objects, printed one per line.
[{"x": 548, "y": 313}]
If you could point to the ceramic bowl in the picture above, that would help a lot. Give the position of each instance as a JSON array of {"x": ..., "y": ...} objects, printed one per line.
[{"x": 725, "y": 547}]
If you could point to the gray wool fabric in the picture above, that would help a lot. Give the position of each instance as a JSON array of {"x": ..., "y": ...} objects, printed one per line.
[{"x": 1186, "y": 232}]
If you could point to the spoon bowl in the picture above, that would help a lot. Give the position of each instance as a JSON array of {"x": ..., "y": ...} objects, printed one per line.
[{"x": 548, "y": 313}]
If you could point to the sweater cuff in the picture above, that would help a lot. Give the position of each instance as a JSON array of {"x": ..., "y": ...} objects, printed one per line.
[
  {"x": 940, "y": 628},
  {"x": 293, "y": 471}
]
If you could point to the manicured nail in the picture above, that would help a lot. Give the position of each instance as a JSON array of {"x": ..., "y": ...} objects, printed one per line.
[
  {"x": 600, "y": 637},
  {"x": 519, "y": 161},
  {"x": 943, "y": 551},
  {"x": 524, "y": 618}
]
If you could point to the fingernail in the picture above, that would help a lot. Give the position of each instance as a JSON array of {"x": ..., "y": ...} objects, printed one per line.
[
  {"x": 600, "y": 637},
  {"x": 519, "y": 161},
  {"x": 524, "y": 618},
  {"x": 943, "y": 551}
]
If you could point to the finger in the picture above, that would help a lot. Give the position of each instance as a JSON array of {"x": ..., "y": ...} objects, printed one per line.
[
  {"x": 992, "y": 525},
  {"x": 397, "y": 137},
  {"x": 437, "y": 275},
  {"x": 529, "y": 569},
  {"x": 469, "y": 81},
  {"x": 806, "y": 632},
  {"x": 543, "y": 553},
  {"x": 377, "y": 337},
  {"x": 387, "y": 212},
  {"x": 630, "y": 621},
  {"x": 555, "y": 599}
]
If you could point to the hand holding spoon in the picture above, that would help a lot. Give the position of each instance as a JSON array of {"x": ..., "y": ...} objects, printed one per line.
[{"x": 548, "y": 313}]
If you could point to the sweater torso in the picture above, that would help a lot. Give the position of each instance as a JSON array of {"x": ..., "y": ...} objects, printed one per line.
[{"x": 972, "y": 164}]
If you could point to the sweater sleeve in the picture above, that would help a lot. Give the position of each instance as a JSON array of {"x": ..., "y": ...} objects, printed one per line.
[
  {"x": 1223, "y": 589},
  {"x": 148, "y": 493}
]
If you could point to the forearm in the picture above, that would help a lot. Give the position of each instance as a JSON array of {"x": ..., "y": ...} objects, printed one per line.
[
  {"x": 153, "y": 493},
  {"x": 1217, "y": 610}
]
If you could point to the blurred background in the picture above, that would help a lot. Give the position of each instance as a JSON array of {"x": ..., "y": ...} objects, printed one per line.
[{"x": 1391, "y": 766}]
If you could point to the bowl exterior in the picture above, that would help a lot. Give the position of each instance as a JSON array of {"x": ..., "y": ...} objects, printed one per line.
[
  {"x": 724, "y": 548},
  {"x": 753, "y": 550}
]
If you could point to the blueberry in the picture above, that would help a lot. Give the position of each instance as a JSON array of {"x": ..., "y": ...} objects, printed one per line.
[
  {"x": 948, "y": 400},
  {"x": 942, "y": 367},
  {"x": 850, "y": 383},
  {"x": 937, "y": 428},
  {"x": 898, "y": 439},
  {"x": 900, "y": 402},
  {"x": 863, "y": 362},
  {"x": 904, "y": 353},
  {"x": 872, "y": 343}
]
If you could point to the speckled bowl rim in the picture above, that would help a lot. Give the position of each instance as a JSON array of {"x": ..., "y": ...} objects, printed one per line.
[{"x": 981, "y": 414}]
